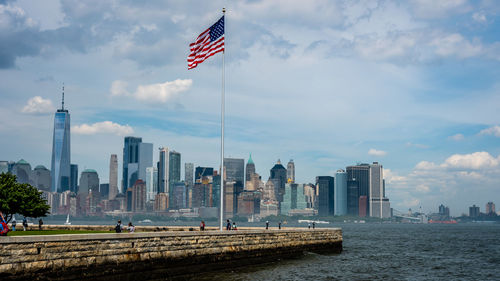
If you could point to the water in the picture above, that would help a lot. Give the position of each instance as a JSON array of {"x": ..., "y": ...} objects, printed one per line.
[{"x": 392, "y": 252}]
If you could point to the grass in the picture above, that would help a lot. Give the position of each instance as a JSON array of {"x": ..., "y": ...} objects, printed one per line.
[{"x": 53, "y": 232}]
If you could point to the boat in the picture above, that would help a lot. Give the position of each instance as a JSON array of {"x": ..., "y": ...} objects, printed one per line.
[
  {"x": 67, "y": 221},
  {"x": 443, "y": 222},
  {"x": 145, "y": 221}
]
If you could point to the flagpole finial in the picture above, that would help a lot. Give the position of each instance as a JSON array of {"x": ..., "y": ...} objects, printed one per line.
[{"x": 223, "y": 10}]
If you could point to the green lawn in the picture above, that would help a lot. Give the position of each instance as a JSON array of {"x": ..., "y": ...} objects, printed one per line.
[{"x": 53, "y": 232}]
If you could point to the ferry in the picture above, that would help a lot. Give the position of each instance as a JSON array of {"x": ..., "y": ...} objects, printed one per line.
[{"x": 443, "y": 222}]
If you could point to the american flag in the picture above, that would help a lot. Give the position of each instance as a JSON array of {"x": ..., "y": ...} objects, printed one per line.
[{"x": 208, "y": 43}]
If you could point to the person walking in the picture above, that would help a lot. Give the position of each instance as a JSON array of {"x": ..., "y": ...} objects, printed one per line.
[
  {"x": 228, "y": 225},
  {"x": 119, "y": 227},
  {"x": 234, "y": 226},
  {"x": 14, "y": 223},
  {"x": 279, "y": 225},
  {"x": 40, "y": 223},
  {"x": 314, "y": 224},
  {"x": 267, "y": 224},
  {"x": 25, "y": 224},
  {"x": 202, "y": 226}
]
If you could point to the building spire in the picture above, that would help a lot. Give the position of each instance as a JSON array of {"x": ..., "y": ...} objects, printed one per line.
[{"x": 62, "y": 97}]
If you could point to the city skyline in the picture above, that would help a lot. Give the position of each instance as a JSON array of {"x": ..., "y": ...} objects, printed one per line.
[{"x": 413, "y": 86}]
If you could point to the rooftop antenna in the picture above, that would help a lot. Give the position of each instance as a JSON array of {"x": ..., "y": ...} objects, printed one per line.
[{"x": 63, "y": 97}]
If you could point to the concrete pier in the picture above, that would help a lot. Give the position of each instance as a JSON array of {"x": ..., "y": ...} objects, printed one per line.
[{"x": 154, "y": 255}]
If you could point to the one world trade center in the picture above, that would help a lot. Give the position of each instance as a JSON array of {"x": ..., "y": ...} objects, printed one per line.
[{"x": 61, "y": 160}]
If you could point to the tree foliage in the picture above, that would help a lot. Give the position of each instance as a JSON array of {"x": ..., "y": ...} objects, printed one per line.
[{"x": 20, "y": 198}]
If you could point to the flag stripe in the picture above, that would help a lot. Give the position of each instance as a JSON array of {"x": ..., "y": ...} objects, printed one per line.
[{"x": 207, "y": 44}]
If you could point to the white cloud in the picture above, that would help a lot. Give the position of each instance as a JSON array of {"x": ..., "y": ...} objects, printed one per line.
[
  {"x": 38, "y": 105},
  {"x": 417, "y": 145},
  {"x": 425, "y": 165},
  {"x": 422, "y": 188},
  {"x": 495, "y": 130},
  {"x": 476, "y": 160},
  {"x": 479, "y": 17},
  {"x": 457, "y": 137},
  {"x": 456, "y": 45},
  {"x": 153, "y": 93},
  {"x": 439, "y": 9},
  {"x": 105, "y": 127},
  {"x": 375, "y": 152}
]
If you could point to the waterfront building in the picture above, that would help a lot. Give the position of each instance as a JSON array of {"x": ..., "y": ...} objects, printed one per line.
[
  {"x": 189, "y": 175},
  {"x": 163, "y": 170},
  {"x": 249, "y": 171},
  {"x": 174, "y": 172},
  {"x": 325, "y": 192},
  {"x": 362, "y": 206},
  {"x": 444, "y": 212},
  {"x": 216, "y": 190},
  {"x": 310, "y": 195},
  {"x": 145, "y": 159},
  {"x": 293, "y": 199},
  {"x": 104, "y": 190},
  {"x": 41, "y": 177},
  {"x": 179, "y": 196},
  {"x": 151, "y": 183},
  {"x": 290, "y": 171},
  {"x": 161, "y": 202},
  {"x": 229, "y": 199},
  {"x": 113, "y": 176},
  {"x": 376, "y": 193},
  {"x": 130, "y": 155},
  {"x": 269, "y": 208},
  {"x": 490, "y": 208},
  {"x": 61, "y": 151},
  {"x": 474, "y": 211},
  {"x": 278, "y": 175},
  {"x": 361, "y": 174},
  {"x": 248, "y": 203},
  {"x": 254, "y": 183},
  {"x": 22, "y": 170},
  {"x": 352, "y": 197},
  {"x": 201, "y": 172},
  {"x": 89, "y": 179},
  {"x": 139, "y": 196},
  {"x": 340, "y": 195},
  {"x": 133, "y": 173},
  {"x": 73, "y": 179}
]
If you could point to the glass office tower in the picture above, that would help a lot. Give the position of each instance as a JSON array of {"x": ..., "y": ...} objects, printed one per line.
[{"x": 61, "y": 153}]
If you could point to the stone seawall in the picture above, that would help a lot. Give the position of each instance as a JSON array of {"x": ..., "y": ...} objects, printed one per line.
[{"x": 154, "y": 255}]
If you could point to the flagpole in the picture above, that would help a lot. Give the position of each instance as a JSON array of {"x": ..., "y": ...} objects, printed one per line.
[{"x": 222, "y": 135}]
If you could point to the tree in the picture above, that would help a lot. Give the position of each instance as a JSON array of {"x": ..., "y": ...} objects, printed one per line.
[{"x": 20, "y": 198}]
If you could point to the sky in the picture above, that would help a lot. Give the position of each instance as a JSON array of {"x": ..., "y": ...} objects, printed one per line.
[{"x": 414, "y": 85}]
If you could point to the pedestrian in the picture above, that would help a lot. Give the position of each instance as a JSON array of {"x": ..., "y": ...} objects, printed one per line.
[
  {"x": 309, "y": 225},
  {"x": 314, "y": 224},
  {"x": 279, "y": 225},
  {"x": 119, "y": 227},
  {"x": 4, "y": 228},
  {"x": 202, "y": 226},
  {"x": 131, "y": 227},
  {"x": 25, "y": 224},
  {"x": 40, "y": 223},
  {"x": 267, "y": 224},
  {"x": 14, "y": 223},
  {"x": 228, "y": 225},
  {"x": 234, "y": 226}
]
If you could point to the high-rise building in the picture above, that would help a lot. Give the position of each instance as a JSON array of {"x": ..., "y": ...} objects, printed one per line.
[
  {"x": 278, "y": 173},
  {"x": 22, "y": 170},
  {"x": 163, "y": 170},
  {"x": 73, "y": 180},
  {"x": 179, "y": 195},
  {"x": 145, "y": 159},
  {"x": 340, "y": 193},
  {"x": 249, "y": 170},
  {"x": 139, "y": 196},
  {"x": 490, "y": 208},
  {"x": 444, "y": 212},
  {"x": 174, "y": 172},
  {"x": 113, "y": 177},
  {"x": 201, "y": 172},
  {"x": 89, "y": 179},
  {"x": 376, "y": 193},
  {"x": 130, "y": 155},
  {"x": 294, "y": 198},
  {"x": 361, "y": 174},
  {"x": 290, "y": 172},
  {"x": 61, "y": 151},
  {"x": 363, "y": 199},
  {"x": 4, "y": 167},
  {"x": 104, "y": 190},
  {"x": 151, "y": 183},
  {"x": 352, "y": 197},
  {"x": 474, "y": 211},
  {"x": 189, "y": 174},
  {"x": 325, "y": 193},
  {"x": 41, "y": 177}
]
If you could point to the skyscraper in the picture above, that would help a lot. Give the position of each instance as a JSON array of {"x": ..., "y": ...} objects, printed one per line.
[
  {"x": 490, "y": 208},
  {"x": 174, "y": 168},
  {"x": 290, "y": 172},
  {"x": 249, "y": 169},
  {"x": 278, "y": 174},
  {"x": 189, "y": 174},
  {"x": 340, "y": 193},
  {"x": 376, "y": 193},
  {"x": 325, "y": 192},
  {"x": 130, "y": 155},
  {"x": 113, "y": 176},
  {"x": 41, "y": 178},
  {"x": 361, "y": 174},
  {"x": 73, "y": 180},
  {"x": 61, "y": 152},
  {"x": 352, "y": 197},
  {"x": 145, "y": 159},
  {"x": 235, "y": 171},
  {"x": 163, "y": 170},
  {"x": 151, "y": 183}
]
